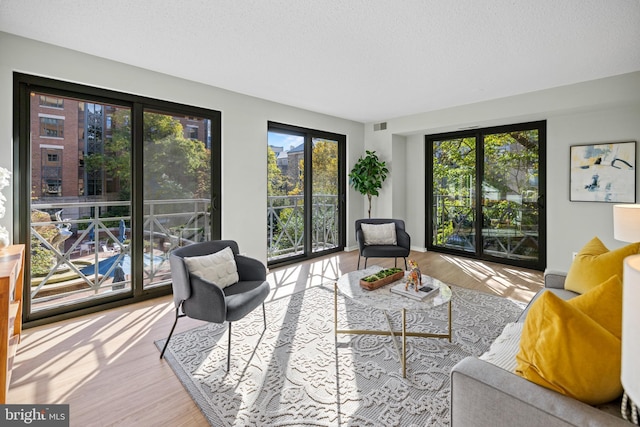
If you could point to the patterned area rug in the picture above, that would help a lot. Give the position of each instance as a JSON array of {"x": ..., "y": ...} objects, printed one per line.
[{"x": 297, "y": 375}]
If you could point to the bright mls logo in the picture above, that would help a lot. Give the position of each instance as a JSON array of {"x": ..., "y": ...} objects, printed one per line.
[{"x": 34, "y": 415}]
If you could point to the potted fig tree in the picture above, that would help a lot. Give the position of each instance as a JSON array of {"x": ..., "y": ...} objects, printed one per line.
[{"x": 367, "y": 176}]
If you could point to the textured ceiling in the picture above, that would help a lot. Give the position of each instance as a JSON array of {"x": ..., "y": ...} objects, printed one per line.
[{"x": 365, "y": 60}]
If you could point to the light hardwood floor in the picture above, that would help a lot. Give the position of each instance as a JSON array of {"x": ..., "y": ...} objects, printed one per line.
[{"x": 107, "y": 368}]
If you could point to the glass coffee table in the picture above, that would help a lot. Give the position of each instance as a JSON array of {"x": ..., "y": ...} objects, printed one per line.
[{"x": 383, "y": 299}]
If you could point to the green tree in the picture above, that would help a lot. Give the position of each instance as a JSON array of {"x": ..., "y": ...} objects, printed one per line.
[
  {"x": 509, "y": 160},
  {"x": 276, "y": 181},
  {"x": 324, "y": 161},
  {"x": 510, "y": 168},
  {"x": 115, "y": 160},
  {"x": 325, "y": 167},
  {"x": 174, "y": 166}
]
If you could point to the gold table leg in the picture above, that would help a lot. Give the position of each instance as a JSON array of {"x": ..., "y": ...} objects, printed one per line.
[
  {"x": 404, "y": 343},
  {"x": 335, "y": 310},
  {"x": 404, "y": 333},
  {"x": 449, "y": 320}
]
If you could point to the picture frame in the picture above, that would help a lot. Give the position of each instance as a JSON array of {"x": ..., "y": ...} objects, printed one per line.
[{"x": 603, "y": 172}]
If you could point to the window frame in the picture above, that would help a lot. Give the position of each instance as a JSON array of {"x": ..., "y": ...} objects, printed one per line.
[
  {"x": 23, "y": 86},
  {"x": 308, "y": 135},
  {"x": 478, "y": 134}
]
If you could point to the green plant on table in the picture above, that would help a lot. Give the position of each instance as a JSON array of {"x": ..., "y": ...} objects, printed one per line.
[{"x": 381, "y": 274}]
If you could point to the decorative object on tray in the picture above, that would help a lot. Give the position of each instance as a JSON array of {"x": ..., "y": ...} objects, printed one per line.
[
  {"x": 420, "y": 294},
  {"x": 381, "y": 278},
  {"x": 414, "y": 278}
]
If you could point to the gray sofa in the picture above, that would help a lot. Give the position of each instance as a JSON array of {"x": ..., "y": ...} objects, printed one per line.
[{"x": 482, "y": 394}]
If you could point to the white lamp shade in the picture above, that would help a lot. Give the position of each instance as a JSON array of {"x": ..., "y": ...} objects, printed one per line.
[
  {"x": 631, "y": 328},
  {"x": 626, "y": 223}
]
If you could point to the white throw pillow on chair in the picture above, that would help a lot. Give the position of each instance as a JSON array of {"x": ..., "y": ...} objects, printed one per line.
[
  {"x": 379, "y": 234},
  {"x": 219, "y": 267}
]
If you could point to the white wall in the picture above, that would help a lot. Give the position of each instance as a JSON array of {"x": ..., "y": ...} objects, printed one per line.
[
  {"x": 590, "y": 112},
  {"x": 605, "y": 110},
  {"x": 398, "y": 172},
  {"x": 244, "y": 128},
  {"x": 575, "y": 223}
]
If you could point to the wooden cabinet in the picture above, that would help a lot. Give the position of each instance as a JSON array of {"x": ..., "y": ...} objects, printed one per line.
[{"x": 11, "y": 282}]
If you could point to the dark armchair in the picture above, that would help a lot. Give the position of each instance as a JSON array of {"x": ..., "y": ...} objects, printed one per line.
[
  {"x": 200, "y": 299},
  {"x": 399, "y": 250}
]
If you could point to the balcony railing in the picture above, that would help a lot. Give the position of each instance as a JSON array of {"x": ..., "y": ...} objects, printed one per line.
[
  {"x": 84, "y": 252},
  {"x": 285, "y": 221},
  {"x": 509, "y": 229},
  {"x": 80, "y": 250}
]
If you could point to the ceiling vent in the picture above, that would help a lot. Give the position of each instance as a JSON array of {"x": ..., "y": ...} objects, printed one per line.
[{"x": 380, "y": 126}]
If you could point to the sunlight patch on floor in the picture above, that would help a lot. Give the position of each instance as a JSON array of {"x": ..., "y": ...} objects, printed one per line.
[{"x": 288, "y": 280}]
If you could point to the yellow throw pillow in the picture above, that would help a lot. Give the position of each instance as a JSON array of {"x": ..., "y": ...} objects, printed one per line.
[
  {"x": 595, "y": 263},
  {"x": 565, "y": 350},
  {"x": 603, "y": 304}
]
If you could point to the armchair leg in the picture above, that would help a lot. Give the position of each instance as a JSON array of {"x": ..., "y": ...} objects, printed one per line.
[
  {"x": 395, "y": 261},
  {"x": 178, "y": 315},
  {"x": 366, "y": 259},
  {"x": 405, "y": 264},
  {"x": 264, "y": 316},
  {"x": 229, "y": 349},
  {"x": 358, "y": 262}
]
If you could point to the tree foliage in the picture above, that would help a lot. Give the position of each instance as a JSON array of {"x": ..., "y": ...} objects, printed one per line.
[
  {"x": 324, "y": 161},
  {"x": 367, "y": 176},
  {"x": 325, "y": 167},
  {"x": 275, "y": 178},
  {"x": 510, "y": 173},
  {"x": 174, "y": 166}
]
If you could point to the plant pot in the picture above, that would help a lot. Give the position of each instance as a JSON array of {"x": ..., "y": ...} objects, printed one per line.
[{"x": 384, "y": 281}]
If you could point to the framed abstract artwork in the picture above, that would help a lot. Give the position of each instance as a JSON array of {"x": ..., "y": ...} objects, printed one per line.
[{"x": 603, "y": 172}]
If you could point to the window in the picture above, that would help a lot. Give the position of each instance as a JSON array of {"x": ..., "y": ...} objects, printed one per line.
[
  {"x": 51, "y": 127},
  {"x": 80, "y": 208},
  {"x": 50, "y": 172},
  {"x": 54, "y": 187},
  {"x": 305, "y": 193},
  {"x": 192, "y": 132},
  {"x": 485, "y": 194},
  {"x": 51, "y": 101}
]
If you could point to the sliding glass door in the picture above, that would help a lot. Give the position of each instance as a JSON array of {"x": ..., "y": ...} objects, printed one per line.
[
  {"x": 305, "y": 206},
  {"x": 453, "y": 193},
  {"x": 176, "y": 188},
  {"x": 485, "y": 193},
  {"x": 325, "y": 197},
  {"x": 111, "y": 184},
  {"x": 80, "y": 204}
]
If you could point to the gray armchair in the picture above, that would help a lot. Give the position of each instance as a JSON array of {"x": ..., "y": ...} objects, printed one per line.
[
  {"x": 400, "y": 250},
  {"x": 200, "y": 299}
]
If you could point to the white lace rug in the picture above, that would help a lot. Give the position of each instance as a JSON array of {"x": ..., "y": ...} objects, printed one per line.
[{"x": 295, "y": 375}]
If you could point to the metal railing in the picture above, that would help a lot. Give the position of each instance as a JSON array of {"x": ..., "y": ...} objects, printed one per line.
[
  {"x": 285, "y": 222},
  {"x": 78, "y": 247},
  {"x": 509, "y": 229}
]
